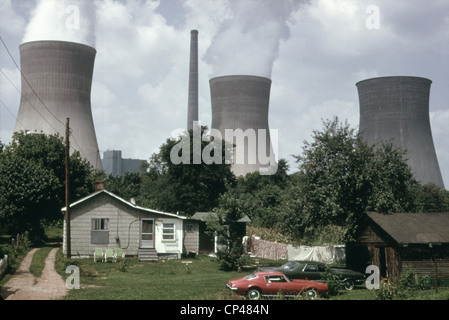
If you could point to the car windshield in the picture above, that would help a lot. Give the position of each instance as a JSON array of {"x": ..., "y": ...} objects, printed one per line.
[
  {"x": 290, "y": 265},
  {"x": 250, "y": 276}
]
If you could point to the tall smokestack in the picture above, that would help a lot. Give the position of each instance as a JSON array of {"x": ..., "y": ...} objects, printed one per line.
[
  {"x": 56, "y": 85},
  {"x": 242, "y": 102},
  {"x": 192, "y": 115},
  {"x": 396, "y": 109}
]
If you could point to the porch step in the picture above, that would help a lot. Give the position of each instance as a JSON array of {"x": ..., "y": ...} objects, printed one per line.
[{"x": 148, "y": 255}]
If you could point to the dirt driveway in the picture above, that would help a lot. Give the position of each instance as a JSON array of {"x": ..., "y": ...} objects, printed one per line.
[{"x": 24, "y": 286}]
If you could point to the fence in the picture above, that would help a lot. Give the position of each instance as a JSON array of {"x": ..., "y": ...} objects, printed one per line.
[{"x": 3, "y": 264}]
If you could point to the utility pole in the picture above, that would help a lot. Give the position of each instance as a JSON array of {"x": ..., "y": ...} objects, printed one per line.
[{"x": 67, "y": 190}]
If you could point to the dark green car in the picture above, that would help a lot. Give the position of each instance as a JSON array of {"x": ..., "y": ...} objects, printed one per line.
[{"x": 312, "y": 270}]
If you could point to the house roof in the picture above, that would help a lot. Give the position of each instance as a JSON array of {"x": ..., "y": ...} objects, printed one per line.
[
  {"x": 414, "y": 228},
  {"x": 203, "y": 216},
  {"x": 132, "y": 205}
]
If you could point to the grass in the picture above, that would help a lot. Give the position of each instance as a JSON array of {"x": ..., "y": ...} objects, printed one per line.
[
  {"x": 38, "y": 262},
  {"x": 163, "y": 280},
  {"x": 173, "y": 280}
]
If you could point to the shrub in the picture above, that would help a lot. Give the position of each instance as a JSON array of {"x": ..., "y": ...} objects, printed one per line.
[
  {"x": 333, "y": 283},
  {"x": 399, "y": 288},
  {"x": 411, "y": 281},
  {"x": 387, "y": 291}
]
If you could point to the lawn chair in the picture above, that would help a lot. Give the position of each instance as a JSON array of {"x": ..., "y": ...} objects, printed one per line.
[
  {"x": 119, "y": 253},
  {"x": 98, "y": 254},
  {"x": 108, "y": 253}
]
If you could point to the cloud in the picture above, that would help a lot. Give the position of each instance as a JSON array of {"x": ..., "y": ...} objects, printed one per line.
[
  {"x": 64, "y": 20},
  {"x": 314, "y": 52},
  {"x": 248, "y": 41},
  {"x": 10, "y": 22}
]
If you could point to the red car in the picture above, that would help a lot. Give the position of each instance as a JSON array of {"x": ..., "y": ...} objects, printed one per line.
[{"x": 269, "y": 283}]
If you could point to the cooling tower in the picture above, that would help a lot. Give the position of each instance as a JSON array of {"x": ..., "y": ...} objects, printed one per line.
[
  {"x": 241, "y": 104},
  {"x": 396, "y": 109},
  {"x": 192, "y": 115},
  {"x": 56, "y": 85}
]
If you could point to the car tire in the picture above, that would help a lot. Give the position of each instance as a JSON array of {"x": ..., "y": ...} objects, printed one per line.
[
  {"x": 310, "y": 294},
  {"x": 349, "y": 284},
  {"x": 253, "y": 294}
]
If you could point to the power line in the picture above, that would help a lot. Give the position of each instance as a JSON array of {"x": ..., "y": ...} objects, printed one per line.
[{"x": 26, "y": 80}]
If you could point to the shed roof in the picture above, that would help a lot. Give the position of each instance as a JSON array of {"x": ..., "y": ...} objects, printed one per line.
[
  {"x": 203, "y": 216},
  {"x": 132, "y": 205},
  {"x": 414, "y": 228}
]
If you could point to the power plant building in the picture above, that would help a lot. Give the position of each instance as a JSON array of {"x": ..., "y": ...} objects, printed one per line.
[
  {"x": 240, "y": 105},
  {"x": 396, "y": 110},
  {"x": 56, "y": 85},
  {"x": 114, "y": 164}
]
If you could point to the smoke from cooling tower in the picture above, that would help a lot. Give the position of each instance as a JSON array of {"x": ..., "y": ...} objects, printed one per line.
[
  {"x": 63, "y": 20},
  {"x": 248, "y": 41}
]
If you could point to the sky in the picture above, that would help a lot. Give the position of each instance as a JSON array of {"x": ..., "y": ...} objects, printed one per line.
[{"x": 313, "y": 51}]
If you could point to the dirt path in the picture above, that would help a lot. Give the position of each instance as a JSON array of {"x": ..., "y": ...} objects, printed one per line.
[{"x": 24, "y": 286}]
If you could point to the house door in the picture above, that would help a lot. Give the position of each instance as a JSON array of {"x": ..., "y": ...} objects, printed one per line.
[{"x": 147, "y": 233}]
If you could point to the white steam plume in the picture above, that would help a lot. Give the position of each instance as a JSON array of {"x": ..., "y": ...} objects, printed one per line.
[
  {"x": 247, "y": 43},
  {"x": 63, "y": 20}
]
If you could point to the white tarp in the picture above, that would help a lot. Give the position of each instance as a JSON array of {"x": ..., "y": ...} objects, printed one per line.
[
  {"x": 278, "y": 251},
  {"x": 325, "y": 254}
]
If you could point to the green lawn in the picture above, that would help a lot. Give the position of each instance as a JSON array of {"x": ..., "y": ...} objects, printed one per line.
[
  {"x": 173, "y": 280},
  {"x": 163, "y": 280}
]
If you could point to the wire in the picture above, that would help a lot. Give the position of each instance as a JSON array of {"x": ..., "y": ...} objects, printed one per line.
[{"x": 43, "y": 104}]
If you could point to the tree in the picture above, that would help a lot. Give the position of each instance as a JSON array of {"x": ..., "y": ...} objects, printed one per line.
[
  {"x": 431, "y": 198},
  {"x": 32, "y": 181},
  {"x": 339, "y": 178},
  {"x": 126, "y": 186},
  {"x": 260, "y": 195},
  {"x": 187, "y": 186},
  {"x": 224, "y": 226}
]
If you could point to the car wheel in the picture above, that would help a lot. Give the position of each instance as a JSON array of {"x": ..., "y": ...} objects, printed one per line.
[
  {"x": 253, "y": 294},
  {"x": 349, "y": 284},
  {"x": 310, "y": 294}
]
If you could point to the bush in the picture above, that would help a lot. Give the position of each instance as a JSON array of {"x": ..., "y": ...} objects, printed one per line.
[
  {"x": 411, "y": 281},
  {"x": 231, "y": 260},
  {"x": 400, "y": 287},
  {"x": 333, "y": 283}
]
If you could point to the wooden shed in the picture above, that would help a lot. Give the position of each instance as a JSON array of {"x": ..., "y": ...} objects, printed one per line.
[
  {"x": 104, "y": 220},
  {"x": 396, "y": 242}
]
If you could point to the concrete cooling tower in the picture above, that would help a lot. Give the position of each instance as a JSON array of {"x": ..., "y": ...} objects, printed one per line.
[
  {"x": 396, "y": 109},
  {"x": 240, "y": 104},
  {"x": 56, "y": 85}
]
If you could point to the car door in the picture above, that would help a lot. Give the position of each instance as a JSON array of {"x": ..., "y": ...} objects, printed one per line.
[
  {"x": 311, "y": 271},
  {"x": 277, "y": 284}
]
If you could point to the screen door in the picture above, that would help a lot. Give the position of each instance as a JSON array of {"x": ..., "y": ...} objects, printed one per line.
[{"x": 147, "y": 233}]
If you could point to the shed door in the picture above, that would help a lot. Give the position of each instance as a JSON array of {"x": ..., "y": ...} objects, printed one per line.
[{"x": 147, "y": 233}]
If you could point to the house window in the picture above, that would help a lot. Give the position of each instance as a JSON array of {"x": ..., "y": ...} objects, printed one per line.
[
  {"x": 168, "y": 231},
  {"x": 100, "y": 224},
  {"x": 99, "y": 233}
]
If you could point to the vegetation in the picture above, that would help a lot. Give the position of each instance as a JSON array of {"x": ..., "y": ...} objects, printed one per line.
[
  {"x": 186, "y": 187},
  {"x": 32, "y": 182},
  {"x": 38, "y": 262},
  {"x": 407, "y": 284},
  {"x": 202, "y": 279},
  {"x": 338, "y": 178}
]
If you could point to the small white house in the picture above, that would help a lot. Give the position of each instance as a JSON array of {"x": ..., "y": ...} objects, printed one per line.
[{"x": 104, "y": 220}]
